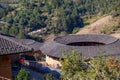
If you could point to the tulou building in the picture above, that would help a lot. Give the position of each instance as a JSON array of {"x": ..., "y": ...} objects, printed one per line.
[{"x": 87, "y": 44}]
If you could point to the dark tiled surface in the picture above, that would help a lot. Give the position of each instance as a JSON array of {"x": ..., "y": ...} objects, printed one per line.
[
  {"x": 9, "y": 46},
  {"x": 57, "y": 46}
]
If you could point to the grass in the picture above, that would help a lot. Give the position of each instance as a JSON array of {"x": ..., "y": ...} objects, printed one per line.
[
  {"x": 108, "y": 29},
  {"x": 91, "y": 19}
]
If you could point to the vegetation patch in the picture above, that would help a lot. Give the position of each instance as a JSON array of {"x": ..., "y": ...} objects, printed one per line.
[
  {"x": 111, "y": 28},
  {"x": 61, "y": 16},
  {"x": 75, "y": 67}
]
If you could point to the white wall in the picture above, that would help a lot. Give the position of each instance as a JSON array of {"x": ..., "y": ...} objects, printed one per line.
[{"x": 52, "y": 62}]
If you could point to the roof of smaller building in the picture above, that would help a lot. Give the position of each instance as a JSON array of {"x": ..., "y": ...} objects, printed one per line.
[
  {"x": 28, "y": 42},
  {"x": 9, "y": 46},
  {"x": 35, "y": 45},
  {"x": 87, "y": 44},
  {"x": 31, "y": 43}
]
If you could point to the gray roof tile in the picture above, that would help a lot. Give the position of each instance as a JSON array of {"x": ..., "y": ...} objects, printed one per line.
[
  {"x": 55, "y": 47},
  {"x": 9, "y": 46},
  {"x": 27, "y": 42}
]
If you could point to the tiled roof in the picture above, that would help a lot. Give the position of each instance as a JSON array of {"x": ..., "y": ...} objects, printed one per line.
[
  {"x": 29, "y": 42},
  {"x": 9, "y": 46},
  {"x": 56, "y": 47},
  {"x": 86, "y": 38}
]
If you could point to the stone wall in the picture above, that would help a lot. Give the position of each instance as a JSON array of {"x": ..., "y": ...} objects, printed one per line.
[{"x": 52, "y": 62}]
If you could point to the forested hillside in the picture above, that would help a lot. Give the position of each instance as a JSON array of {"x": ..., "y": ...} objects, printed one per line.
[{"x": 52, "y": 16}]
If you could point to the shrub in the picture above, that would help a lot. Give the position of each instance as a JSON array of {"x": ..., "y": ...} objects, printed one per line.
[
  {"x": 48, "y": 76},
  {"x": 23, "y": 75},
  {"x": 74, "y": 67}
]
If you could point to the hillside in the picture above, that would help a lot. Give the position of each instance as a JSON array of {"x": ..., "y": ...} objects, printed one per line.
[
  {"x": 53, "y": 16},
  {"x": 105, "y": 25},
  {"x": 96, "y": 26}
]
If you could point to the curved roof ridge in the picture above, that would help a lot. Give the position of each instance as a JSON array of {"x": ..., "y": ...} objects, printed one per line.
[
  {"x": 53, "y": 48},
  {"x": 30, "y": 41},
  {"x": 106, "y": 39}
]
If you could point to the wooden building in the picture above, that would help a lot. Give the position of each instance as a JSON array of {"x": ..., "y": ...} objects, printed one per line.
[
  {"x": 10, "y": 49},
  {"x": 32, "y": 44}
]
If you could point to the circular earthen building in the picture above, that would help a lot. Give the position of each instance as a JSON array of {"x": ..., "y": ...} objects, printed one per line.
[{"x": 87, "y": 44}]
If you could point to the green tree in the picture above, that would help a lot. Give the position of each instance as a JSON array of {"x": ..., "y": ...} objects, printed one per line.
[
  {"x": 21, "y": 34},
  {"x": 49, "y": 76},
  {"x": 14, "y": 30},
  {"x": 56, "y": 15},
  {"x": 23, "y": 75},
  {"x": 74, "y": 67},
  {"x": 72, "y": 64},
  {"x": 6, "y": 29}
]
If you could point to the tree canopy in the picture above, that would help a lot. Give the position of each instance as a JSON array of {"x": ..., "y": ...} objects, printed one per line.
[
  {"x": 23, "y": 75},
  {"x": 75, "y": 67},
  {"x": 55, "y": 15}
]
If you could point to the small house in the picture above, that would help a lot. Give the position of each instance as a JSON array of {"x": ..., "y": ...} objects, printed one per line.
[
  {"x": 8, "y": 48},
  {"x": 10, "y": 51}
]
